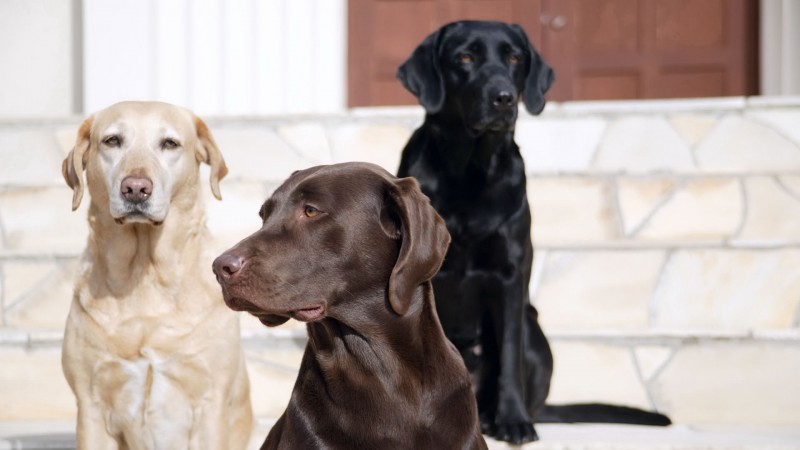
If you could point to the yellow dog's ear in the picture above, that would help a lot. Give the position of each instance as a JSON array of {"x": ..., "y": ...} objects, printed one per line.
[
  {"x": 75, "y": 162},
  {"x": 209, "y": 153}
]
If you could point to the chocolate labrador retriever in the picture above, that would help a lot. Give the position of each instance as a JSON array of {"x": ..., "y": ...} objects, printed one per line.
[
  {"x": 350, "y": 249},
  {"x": 469, "y": 76}
]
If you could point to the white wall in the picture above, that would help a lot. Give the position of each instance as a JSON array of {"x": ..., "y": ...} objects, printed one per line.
[
  {"x": 217, "y": 56},
  {"x": 37, "y": 62},
  {"x": 780, "y": 47}
]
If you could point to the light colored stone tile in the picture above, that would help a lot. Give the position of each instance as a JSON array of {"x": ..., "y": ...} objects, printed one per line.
[
  {"x": 641, "y": 145},
  {"x": 569, "y": 211},
  {"x": 41, "y": 221},
  {"x": 309, "y": 139},
  {"x": 740, "y": 145},
  {"x": 253, "y": 154},
  {"x": 558, "y": 145},
  {"x": 380, "y": 144},
  {"x": 45, "y": 294},
  {"x": 65, "y": 138},
  {"x": 272, "y": 377},
  {"x": 30, "y": 157},
  {"x": 639, "y": 197},
  {"x": 32, "y": 385},
  {"x": 791, "y": 183},
  {"x": 693, "y": 127},
  {"x": 746, "y": 384},
  {"x": 598, "y": 289},
  {"x": 728, "y": 290},
  {"x": 595, "y": 373},
  {"x": 705, "y": 209},
  {"x": 651, "y": 359},
  {"x": 236, "y": 216},
  {"x": 773, "y": 214},
  {"x": 783, "y": 120}
]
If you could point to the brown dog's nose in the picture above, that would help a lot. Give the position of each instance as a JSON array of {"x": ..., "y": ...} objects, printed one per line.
[
  {"x": 226, "y": 265},
  {"x": 136, "y": 189}
]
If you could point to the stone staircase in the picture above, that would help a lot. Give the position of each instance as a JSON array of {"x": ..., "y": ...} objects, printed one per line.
[{"x": 667, "y": 260}]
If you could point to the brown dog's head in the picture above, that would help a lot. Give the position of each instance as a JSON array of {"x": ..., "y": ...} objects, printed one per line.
[
  {"x": 138, "y": 156},
  {"x": 332, "y": 235}
]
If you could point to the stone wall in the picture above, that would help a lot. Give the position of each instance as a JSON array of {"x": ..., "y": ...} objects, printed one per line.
[{"x": 666, "y": 234}]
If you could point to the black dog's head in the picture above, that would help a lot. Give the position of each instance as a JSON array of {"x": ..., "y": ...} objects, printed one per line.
[{"x": 478, "y": 70}]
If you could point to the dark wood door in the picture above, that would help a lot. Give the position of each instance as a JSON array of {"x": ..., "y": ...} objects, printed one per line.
[
  {"x": 629, "y": 49},
  {"x": 600, "y": 49}
]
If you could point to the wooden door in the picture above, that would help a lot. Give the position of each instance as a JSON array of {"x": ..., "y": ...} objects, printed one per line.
[
  {"x": 600, "y": 49},
  {"x": 629, "y": 49},
  {"x": 383, "y": 33}
]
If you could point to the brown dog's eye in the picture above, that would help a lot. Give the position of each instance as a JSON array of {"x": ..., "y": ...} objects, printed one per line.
[
  {"x": 170, "y": 144},
  {"x": 465, "y": 58},
  {"x": 513, "y": 60},
  {"x": 311, "y": 212},
  {"x": 112, "y": 141}
]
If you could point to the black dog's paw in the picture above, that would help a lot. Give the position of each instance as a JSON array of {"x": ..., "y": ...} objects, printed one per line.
[{"x": 515, "y": 433}]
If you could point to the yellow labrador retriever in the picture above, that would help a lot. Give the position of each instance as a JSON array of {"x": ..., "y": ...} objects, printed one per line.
[{"x": 150, "y": 350}]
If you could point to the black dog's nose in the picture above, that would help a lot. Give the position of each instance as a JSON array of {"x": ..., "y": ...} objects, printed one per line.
[
  {"x": 503, "y": 99},
  {"x": 136, "y": 189},
  {"x": 226, "y": 265}
]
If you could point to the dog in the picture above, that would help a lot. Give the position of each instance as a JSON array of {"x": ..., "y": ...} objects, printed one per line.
[
  {"x": 350, "y": 249},
  {"x": 470, "y": 76},
  {"x": 150, "y": 350}
]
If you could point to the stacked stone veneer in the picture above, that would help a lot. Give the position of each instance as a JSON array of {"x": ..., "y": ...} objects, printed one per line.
[{"x": 667, "y": 242}]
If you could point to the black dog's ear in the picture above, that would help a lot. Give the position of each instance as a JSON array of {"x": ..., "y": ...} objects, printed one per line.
[
  {"x": 424, "y": 241},
  {"x": 421, "y": 74},
  {"x": 539, "y": 78}
]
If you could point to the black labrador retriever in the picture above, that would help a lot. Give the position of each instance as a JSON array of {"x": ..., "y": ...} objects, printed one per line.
[
  {"x": 351, "y": 250},
  {"x": 469, "y": 76}
]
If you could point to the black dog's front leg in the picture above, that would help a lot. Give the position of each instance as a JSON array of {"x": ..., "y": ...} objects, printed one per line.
[{"x": 512, "y": 423}]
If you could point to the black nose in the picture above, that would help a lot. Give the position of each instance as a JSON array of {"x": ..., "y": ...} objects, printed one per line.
[
  {"x": 227, "y": 265},
  {"x": 503, "y": 100},
  {"x": 136, "y": 189}
]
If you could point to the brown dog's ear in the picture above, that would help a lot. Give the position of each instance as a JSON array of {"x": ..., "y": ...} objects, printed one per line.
[
  {"x": 539, "y": 78},
  {"x": 75, "y": 162},
  {"x": 209, "y": 153},
  {"x": 421, "y": 74},
  {"x": 424, "y": 242}
]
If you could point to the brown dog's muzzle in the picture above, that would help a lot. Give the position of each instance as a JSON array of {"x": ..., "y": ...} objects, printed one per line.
[{"x": 226, "y": 266}]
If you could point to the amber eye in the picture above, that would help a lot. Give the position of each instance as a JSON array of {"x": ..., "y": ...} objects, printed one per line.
[
  {"x": 112, "y": 141},
  {"x": 311, "y": 212},
  {"x": 513, "y": 60},
  {"x": 170, "y": 144},
  {"x": 465, "y": 58}
]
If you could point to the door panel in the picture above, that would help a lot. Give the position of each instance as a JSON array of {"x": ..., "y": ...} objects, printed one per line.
[{"x": 600, "y": 49}]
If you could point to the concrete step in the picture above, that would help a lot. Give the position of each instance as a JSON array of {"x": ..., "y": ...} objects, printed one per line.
[{"x": 59, "y": 435}]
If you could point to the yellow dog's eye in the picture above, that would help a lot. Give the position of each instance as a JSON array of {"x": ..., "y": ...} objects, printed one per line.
[
  {"x": 112, "y": 141},
  {"x": 465, "y": 58},
  {"x": 311, "y": 212},
  {"x": 170, "y": 144}
]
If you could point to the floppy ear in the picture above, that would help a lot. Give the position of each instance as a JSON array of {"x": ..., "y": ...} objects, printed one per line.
[
  {"x": 421, "y": 74},
  {"x": 75, "y": 162},
  {"x": 538, "y": 80},
  {"x": 209, "y": 153},
  {"x": 424, "y": 242}
]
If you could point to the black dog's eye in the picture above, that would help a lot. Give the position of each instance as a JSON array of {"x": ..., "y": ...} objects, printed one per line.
[
  {"x": 170, "y": 144},
  {"x": 514, "y": 60},
  {"x": 465, "y": 58},
  {"x": 112, "y": 141}
]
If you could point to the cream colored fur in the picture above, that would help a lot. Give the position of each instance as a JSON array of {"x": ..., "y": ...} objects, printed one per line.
[{"x": 150, "y": 350}]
